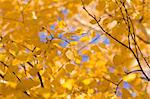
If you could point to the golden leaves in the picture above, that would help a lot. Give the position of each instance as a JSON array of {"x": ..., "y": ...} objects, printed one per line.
[{"x": 59, "y": 63}]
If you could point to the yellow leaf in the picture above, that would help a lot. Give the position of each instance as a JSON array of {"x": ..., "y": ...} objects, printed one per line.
[
  {"x": 10, "y": 77},
  {"x": 2, "y": 57},
  {"x": 34, "y": 15},
  {"x": 27, "y": 84},
  {"x": 90, "y": 91},
  {"x": 129, "y": 77},
  {"x": 112, "y": 5},
  {"x": 126, "y": 94},
  {"x": 87, "y": 81},
  {"x": 93, "y": 21},
  {"x": 44, "y": 92},
  {"x": 12, "y": 84},
  {"x": 13, "y": 68},
  {"x": 93, "y": 34},
  {"x": 22, "y": 57},
  {"x": 15, "y": 62},
  {"x": 85, "y": 39},
  {"x": 33, "y": 71},
  {"x": 56, "y": 0},
  {"x": 78, "y": 59},
  {"x": 73, "y": 43},
  {"x": 79, "y": 31},
  {"x": 100, "y": 5},
  {"x": 70, "y": 54},
  {"x": 69, "y": 67},
  {"x": 60, "y": 73},
  {"x": 61, "y": 24},
  {"x": 68, "y": 84},
  {"x": 117, "y": 59}
]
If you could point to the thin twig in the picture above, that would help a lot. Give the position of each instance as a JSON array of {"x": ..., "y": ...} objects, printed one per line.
[
  {"x": 40, "y": 78},
  {"x": 133, "y": 71}
]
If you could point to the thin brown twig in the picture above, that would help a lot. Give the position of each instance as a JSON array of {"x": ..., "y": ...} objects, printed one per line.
[
  {"x": 40, "y": 78},
  {"x": 145, "y": 41},
  {"x": 110, "y": 81},
  {"x": 116, "y": 84},
  {"x": 133, "y": 71},
  {"x": 16, "y": 76}
]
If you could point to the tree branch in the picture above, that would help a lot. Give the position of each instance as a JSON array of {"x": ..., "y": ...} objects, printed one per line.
[
  {"x": 40, "y": 78},
  {"x": 117, "y": 39}
]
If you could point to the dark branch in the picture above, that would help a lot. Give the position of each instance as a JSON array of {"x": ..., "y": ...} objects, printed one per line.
[
  {"x": 146, "y": 42},
  {"x": 16, "y": 76},
  {"x": 116, "y": 84},
  {"x": 30, "y": 64},
  {"x": 40, "y": 78},
  {"x": 133, "y": 71},
  {"x": 110, "y": 81},
  {"x": 4, "y": 64},
  {"x": 1, "y": 76},
  {"x": 25, "y": 92}
]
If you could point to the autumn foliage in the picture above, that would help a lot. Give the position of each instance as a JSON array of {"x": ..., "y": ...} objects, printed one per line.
[{"x": 74, "y": 49}]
